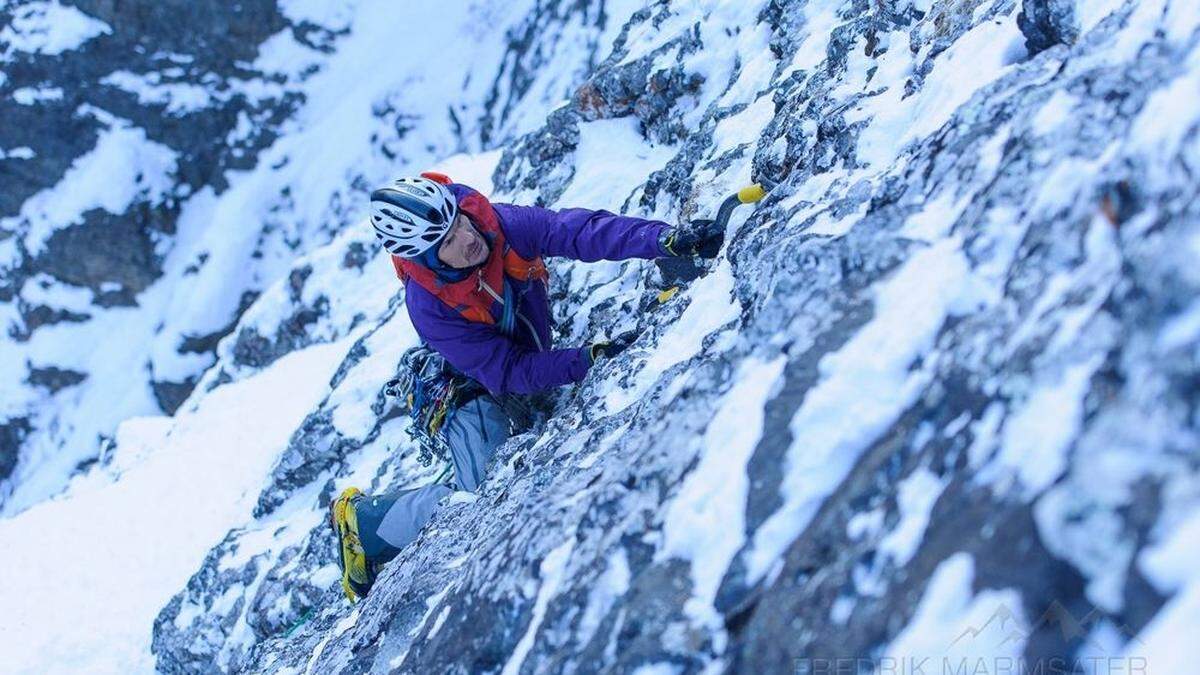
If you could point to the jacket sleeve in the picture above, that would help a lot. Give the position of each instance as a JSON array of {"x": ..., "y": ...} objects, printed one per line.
[
  {"x": 579, "y": 234},
  {"x": 486, "y": 355}
]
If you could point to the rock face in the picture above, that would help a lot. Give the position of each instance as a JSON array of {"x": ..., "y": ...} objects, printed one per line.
[
  {"x": 12, "y": 432},
  {"x": 146, "y": 167},
  {"x": 142, "y": 77},
  {"x": 937, "y": 328},
  {"x": 1046, "y": 23},
  {"x": 937, "y": 396}
]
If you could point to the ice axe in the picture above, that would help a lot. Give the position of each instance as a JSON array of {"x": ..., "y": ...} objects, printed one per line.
[{"x": 676, "y": 271}]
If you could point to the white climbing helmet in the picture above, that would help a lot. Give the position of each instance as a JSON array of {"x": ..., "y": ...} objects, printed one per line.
[{"x": 410, "y": 215}]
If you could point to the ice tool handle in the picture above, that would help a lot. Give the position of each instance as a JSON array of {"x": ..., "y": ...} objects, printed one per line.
[{"x": 747, "y": 195}]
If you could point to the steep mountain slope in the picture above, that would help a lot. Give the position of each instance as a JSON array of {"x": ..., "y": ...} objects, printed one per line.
[
  {"x": 936, "y": 398},
  {"x": 166, "y": 177}
]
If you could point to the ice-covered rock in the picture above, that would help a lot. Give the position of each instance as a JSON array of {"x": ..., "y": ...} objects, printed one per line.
[{"x": 936, "y": 398}]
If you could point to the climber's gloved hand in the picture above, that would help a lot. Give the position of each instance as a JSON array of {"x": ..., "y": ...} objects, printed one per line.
[
  {"x": 698, "y": 239},
  {"x": 613, "y": 346}
]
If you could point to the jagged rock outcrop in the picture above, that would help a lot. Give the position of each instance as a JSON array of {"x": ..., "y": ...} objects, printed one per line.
[
  {"x": 936, "y": 397},
  {"x": 936, "y": 327},
  {"x": 1046, "y": 23},
  {"x": 144, "y": 90}
]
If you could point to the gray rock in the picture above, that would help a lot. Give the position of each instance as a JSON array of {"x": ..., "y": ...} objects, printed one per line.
[
  {"x": 12, "y": 433},
  {"x": 54, "y": 379},
  {"x": 1047, "y": 23}
]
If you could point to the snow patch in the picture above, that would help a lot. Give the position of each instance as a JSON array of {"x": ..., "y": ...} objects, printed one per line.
[
  {"x": 49, "y": 28},
  {"x": 864, "y": 387},
  {"x": 124, "y": 166},
  {"x": 180, "y": 98},
  {"x": 954, "y": 625},
  {"x": 551, "y": 570},
  {"x": 1037, "y": 436},
  {"x": 916, "y": 496},
  {"x": 147, "y": 533},
  {"x": 972, "y": 62},
  {"x": 705, "y": 521}
]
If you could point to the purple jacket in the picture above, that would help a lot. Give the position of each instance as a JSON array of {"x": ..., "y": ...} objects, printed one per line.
[{"x": 524, "y": 362}]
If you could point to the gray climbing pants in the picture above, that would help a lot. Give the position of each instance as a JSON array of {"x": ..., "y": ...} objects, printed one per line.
[{"x": 473, "y": 432}]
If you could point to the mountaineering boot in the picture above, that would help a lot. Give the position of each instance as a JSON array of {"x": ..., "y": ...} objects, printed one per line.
[
  {"x": 356, "y": 579},
  {"x": 361, "y": 552},
  {"x": 373, "y": 530}
]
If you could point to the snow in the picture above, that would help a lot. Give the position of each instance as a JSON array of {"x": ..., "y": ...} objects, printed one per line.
[
  {"x": 757, "y": 66},
  {"x": 969, "y": 65},
  {"x": 1163, "y": 124},
  {"x": 23, "y": 152},
  {"x": 841, "y": 609},
  {"x": 1171, "y": 564},
  {"x": 1181, "y": 330},
  {"x": 49, "y": 28},
  {"x": 439, "y": 621},
  {"x": 746, "y": 126},
  {"x": 616, "y": 150},
  {"x": 1055, "y": 112},
  {"x": 344, "y": 624},
  {"x": 332, "y": 14},
  {"x": 1091, "y": 12},
  {"x": 1088, "y": 533},
  {"x": 705, "y": 521},
  {"x": 959, "y": 630},
  {"x": 613, "y": 584},
  {"x": 471, "y": 169},
  {"x": 300, "y": 205},
  {"x": 551, "y": 570},
  {"x": 1167, "y": 644},
  {"x": 431, "y": 604},
  {"x": 935, "y": 218},
  {"x": 712, "y": 306},
  {"x": 864, "y": 387},
  {"x": 659, "y": 669},
  {"x": 183, "y": 484},
  {"x": 820, "y": 19},
  {"x": 123, "y": 167},
  {"x": 1038, "y": 435},
  {"x": 916, "y": 496},
  {"x": 179, "y": 98},
  {"x": 1180, "y": 20},
  {"x": 35, "y": 95}
]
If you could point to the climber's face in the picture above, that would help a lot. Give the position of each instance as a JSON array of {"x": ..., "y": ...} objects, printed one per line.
[{"x": 463, "y": 246}]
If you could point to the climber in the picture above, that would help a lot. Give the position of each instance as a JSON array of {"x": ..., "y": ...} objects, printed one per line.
[
  {"x": 476, "y": 285},
  {"x": 476, "y": 292}
]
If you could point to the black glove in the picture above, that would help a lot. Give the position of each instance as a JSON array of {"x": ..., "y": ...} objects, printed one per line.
[
  {"x": 700, "y": 239},
  {"x": 612, "y": 347}
]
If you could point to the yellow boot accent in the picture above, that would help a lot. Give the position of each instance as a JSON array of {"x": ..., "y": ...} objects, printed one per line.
[{"x": 353, "y": 558}]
